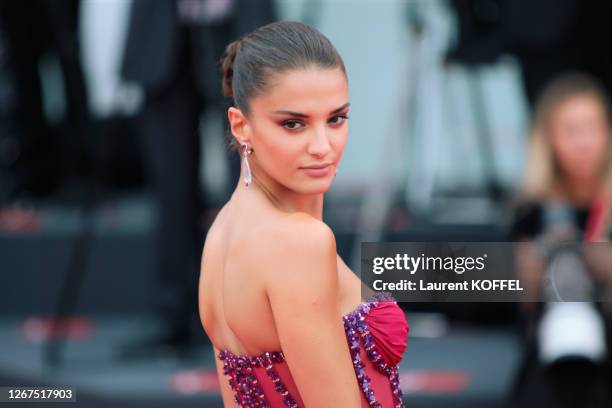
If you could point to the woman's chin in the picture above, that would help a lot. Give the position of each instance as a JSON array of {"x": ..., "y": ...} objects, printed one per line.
[{"x": 314, "y": 187}]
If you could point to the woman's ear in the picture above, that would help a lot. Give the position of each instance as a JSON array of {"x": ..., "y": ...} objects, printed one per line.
[{"x": 238, "y": 125}]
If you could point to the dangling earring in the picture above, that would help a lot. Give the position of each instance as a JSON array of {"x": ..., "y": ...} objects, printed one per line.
[{"x": 245, "y": 164}]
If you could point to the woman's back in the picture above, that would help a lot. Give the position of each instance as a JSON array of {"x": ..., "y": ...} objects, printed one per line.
[
  {"x": 228, "y": 288},
  {"x": 251, "y": 276}
]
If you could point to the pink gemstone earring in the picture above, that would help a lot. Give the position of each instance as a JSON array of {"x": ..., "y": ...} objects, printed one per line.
[{"x": 245, "y": 164}]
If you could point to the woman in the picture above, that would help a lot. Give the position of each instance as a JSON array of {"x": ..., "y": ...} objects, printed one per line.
[
  {"x": 283, "y": 311},
  {"x": 567, "y": 191},
  {"x": 566, "y": 196}
]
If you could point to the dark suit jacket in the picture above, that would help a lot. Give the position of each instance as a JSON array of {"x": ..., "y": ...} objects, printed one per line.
[{"x": 156, "y": 38}]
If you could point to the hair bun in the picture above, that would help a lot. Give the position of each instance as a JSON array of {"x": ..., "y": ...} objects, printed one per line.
[{"x": 227, "y": 66}]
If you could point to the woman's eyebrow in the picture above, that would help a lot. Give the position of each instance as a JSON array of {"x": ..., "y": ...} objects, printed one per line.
[{"x": 303, "y": 115}]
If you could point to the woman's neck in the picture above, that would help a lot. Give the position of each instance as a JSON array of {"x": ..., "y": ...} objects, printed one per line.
[{"x": 281, "y": 197}]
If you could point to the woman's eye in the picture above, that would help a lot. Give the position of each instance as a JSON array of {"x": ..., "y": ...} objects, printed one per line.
[
  {"x": 292, "y": 124},
  {"x": 337, "y": 120}
]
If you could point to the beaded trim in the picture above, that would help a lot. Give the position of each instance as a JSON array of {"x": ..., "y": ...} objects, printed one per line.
[
  {"x": 248, "y": 393},
  {"x": 357, "y": 329}
]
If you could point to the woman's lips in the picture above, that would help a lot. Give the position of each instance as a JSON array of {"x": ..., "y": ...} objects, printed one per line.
[{"x": 318, "y": 171}]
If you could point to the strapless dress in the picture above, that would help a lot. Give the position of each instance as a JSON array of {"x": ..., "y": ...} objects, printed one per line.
[{"x": 377, "y": 334}]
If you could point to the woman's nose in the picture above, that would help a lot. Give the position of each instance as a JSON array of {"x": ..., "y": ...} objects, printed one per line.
[{"x": 319, "y": 143}]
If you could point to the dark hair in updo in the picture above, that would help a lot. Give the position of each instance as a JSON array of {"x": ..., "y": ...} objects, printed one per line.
[{"x": 274, "y": 48}]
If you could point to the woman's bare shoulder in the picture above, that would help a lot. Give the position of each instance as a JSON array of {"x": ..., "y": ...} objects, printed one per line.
[
  {"x": 297, "y": 232},
  {"x": 304, "y": 228},
  {"x": 295, "y": 247}
]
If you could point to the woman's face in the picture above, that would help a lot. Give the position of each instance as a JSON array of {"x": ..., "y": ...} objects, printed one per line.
[
  {"x": 579, "y": 136},
  {"x": 298, "y": 128}
]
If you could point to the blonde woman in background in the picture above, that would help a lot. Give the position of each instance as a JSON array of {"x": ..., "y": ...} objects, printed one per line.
[
  {"x": 566, "y": 197},
  {"x": 568, "y": 172}
]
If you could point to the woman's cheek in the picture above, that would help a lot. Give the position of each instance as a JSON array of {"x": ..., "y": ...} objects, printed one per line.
[
  {"x": 281, "y": 163},
  {"x": 340, "y": 146}
]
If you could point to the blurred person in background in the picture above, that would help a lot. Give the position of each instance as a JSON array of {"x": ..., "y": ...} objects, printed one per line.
[
  {"x": 548, "y": 37},
  {"x": 553, "y": 37},
  {"x": 566, "y": 197},
  {"x": 36, "y": 150},
  {"x": 171, "y": 53}
]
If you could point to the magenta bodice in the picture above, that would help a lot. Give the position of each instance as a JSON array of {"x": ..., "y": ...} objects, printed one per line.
[{"x": 377, "y": 334}]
